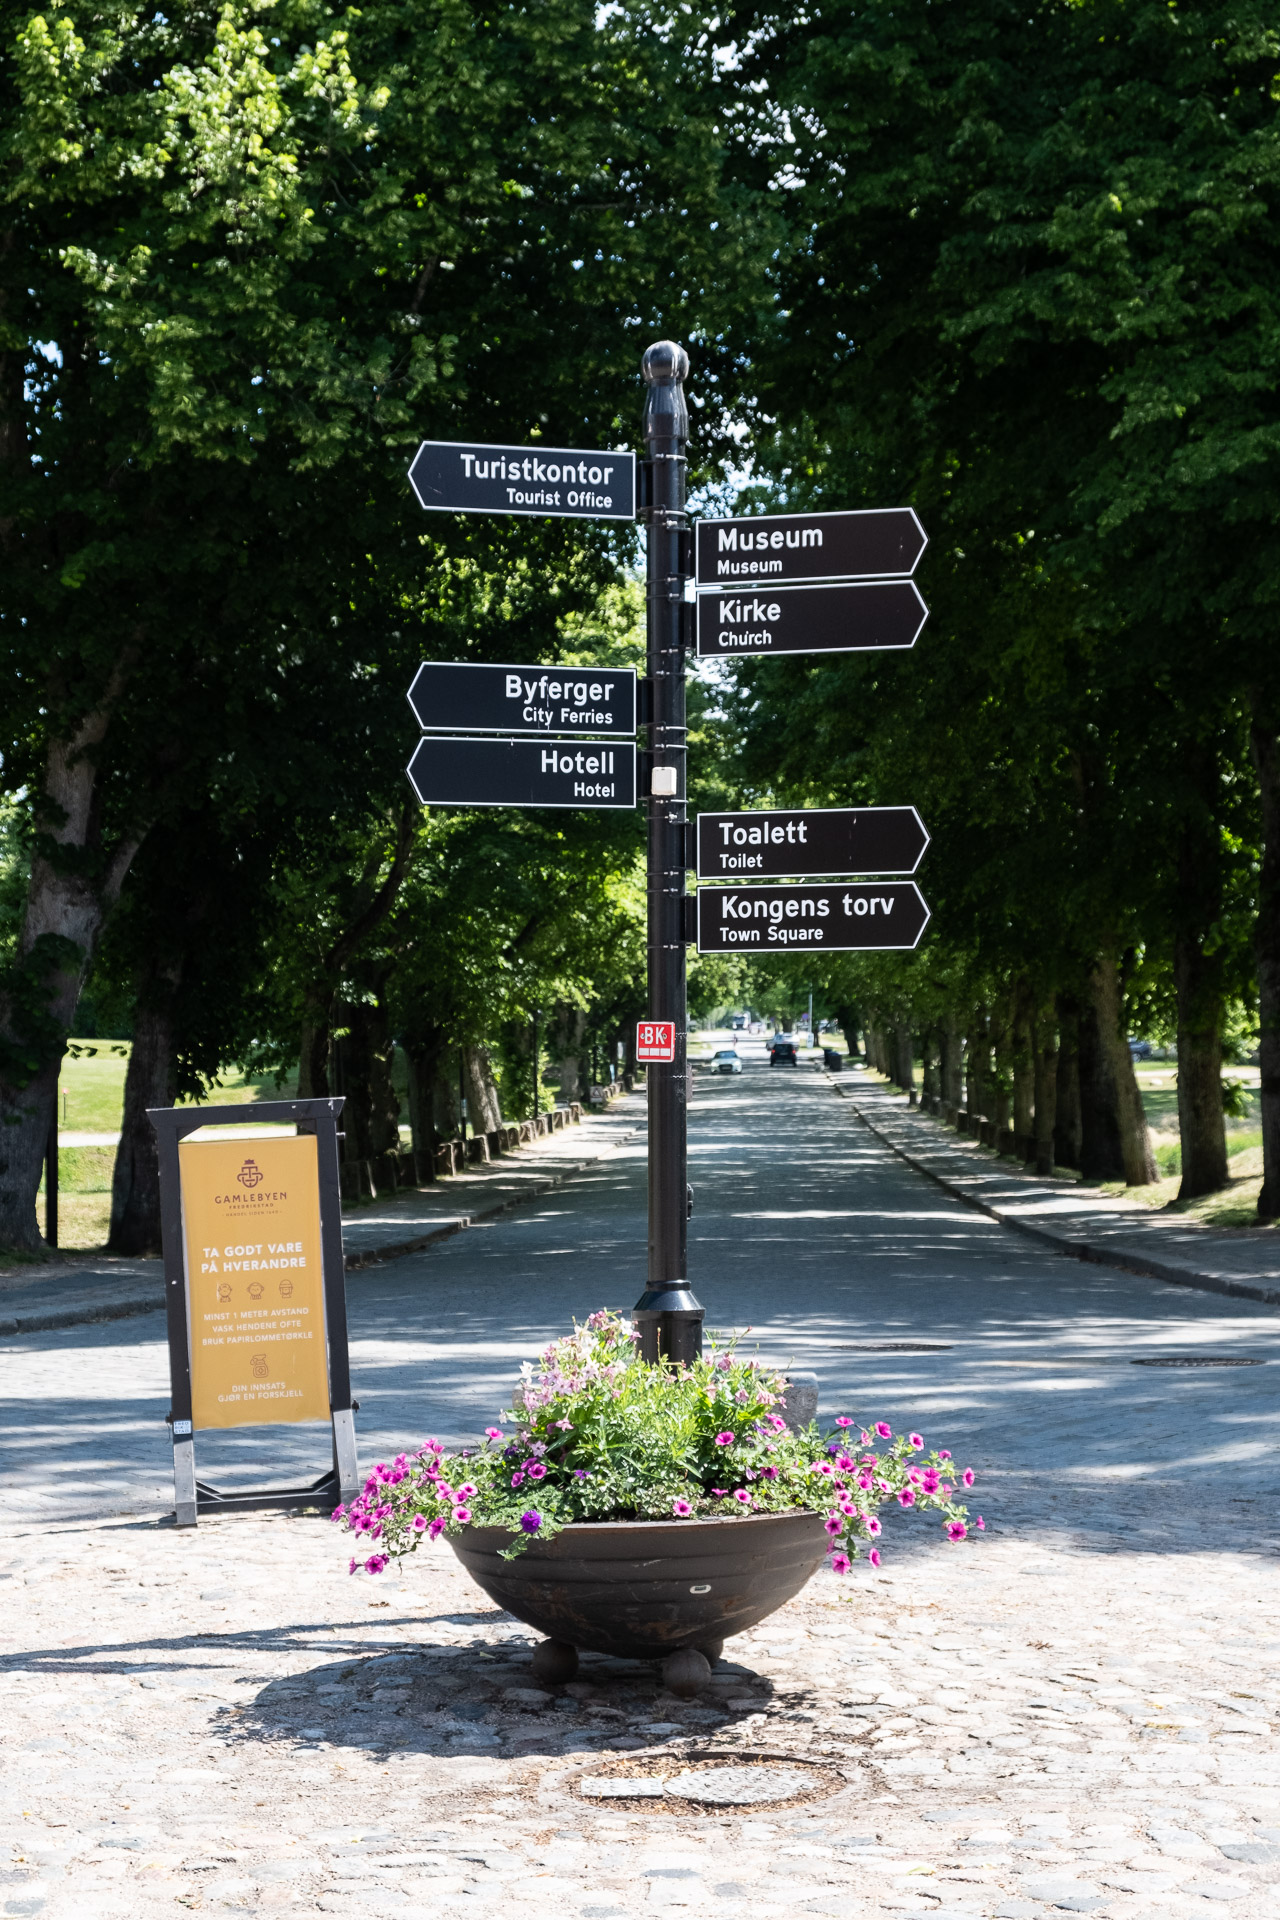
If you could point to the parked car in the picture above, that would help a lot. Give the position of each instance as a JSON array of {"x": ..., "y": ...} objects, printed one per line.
[
  {"x": 782, "y": 1051},
  {"x": 726, "y": 1061},
  {"x": 1139, "y": 1049}
]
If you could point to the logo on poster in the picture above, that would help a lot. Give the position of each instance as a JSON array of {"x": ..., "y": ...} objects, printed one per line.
[{"x": 250, "y": 1175}]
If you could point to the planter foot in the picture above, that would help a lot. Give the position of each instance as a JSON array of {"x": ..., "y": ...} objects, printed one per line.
[
  {"x": 554, "y": 1662},
  {"x": 711, "y": 1651},
  {"x": 686, "y": 1673}
]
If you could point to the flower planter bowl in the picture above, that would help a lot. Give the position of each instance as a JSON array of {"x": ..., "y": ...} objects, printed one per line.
[{"x": 644, "y": 1589}]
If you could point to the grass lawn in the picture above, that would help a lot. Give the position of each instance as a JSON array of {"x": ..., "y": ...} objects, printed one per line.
[{"x": 91, "y": 1100}]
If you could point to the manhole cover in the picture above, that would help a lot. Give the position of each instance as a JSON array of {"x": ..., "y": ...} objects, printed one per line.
[
  {"x": 741, "y": 1786},
  {"x": 711, "y": 1783},
  {"x": 1197, "y": 1360},
  {"x": 893, "y": 1346}
]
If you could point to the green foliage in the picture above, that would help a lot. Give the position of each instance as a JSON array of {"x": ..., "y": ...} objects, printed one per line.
[{"x": 602, "y": 1436}]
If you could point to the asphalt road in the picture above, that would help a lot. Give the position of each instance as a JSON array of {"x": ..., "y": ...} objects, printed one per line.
[{"x": 833, "y": 1254}]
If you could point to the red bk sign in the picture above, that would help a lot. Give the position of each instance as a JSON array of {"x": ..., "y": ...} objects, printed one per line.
[{"x": 656, "y": 1040}]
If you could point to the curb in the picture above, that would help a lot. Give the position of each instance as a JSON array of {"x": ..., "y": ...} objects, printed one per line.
[
  {"x": 92, "y": 1311},
  {"x": 1089, "y": 1251}
]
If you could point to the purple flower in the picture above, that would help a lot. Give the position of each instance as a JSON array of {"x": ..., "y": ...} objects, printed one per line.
[
  {"x": 537, "y": 1471},
  {"x": 943, "y": 1454},
  {"x": 531, "y": 1521},
  {"x": 462, "y": 1515},
  {"x": 353, "y": 1566},
  {"x": 968, "y": 1477},
  {"x": 907, "y": 1498},
  {"x": 468, "y": 1492},
  {"x": 517, "y": 1479},
  {"x": 874, "y": 1556},
  {"x": 419, "y": 1523},
  {"x": 681, "y": 1509},
  {"x": 930, "y": 1480},
  {"x": 833, "y": 1525},
  {"x": 873, "y": 1526},
  {"x": 435, "y": 1529},
  {"x": 337, "y": 1513},
  {"x": 956, "y": 1530},
  {"x": 915, "y": 1439},
  {"x": 724, "y": 1439},
  {"x": 884, "y": 1429},
  {"x": 580, "y": 1473},
  {"x": 840, "y": 1563},
  {"x": 770, "y": 1473},
  {"x": 375, "y": 1563}
]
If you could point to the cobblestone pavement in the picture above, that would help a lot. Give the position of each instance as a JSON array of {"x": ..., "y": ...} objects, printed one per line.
[{"x": 1074, "y": 1713}]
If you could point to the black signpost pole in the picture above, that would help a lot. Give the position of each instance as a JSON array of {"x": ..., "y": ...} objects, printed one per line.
[{"x": 667, "y": 1316}]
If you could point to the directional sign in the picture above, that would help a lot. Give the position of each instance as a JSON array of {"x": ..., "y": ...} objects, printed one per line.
[
  {"x": 810, "y": 840},
  {"x": 456, "y": 476},
  {"x": 828, "y": 619},
  {"x": 809, "y": 546},
  {"x": 459, "y": 772},
  {"x": 656, "y": 1040},
  {"x": 503, "y": 699},
  {"x": 887, "y": 913}
]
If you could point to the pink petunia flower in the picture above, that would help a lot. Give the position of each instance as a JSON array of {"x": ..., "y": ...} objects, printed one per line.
[
  {"x": 435, "y": 1529},
  {"x": 980, "y": 1524},
  {"x": 832, "y": 1525},
  {"x": 493, "y": 1433},
  {"x": 742, "y": 1497},
  {"x": 907, "y": 1498},
  {"x": 884, "y": 1430},
  {"x": 840, "y": 1563},
  {"x": 956, "y": 1530},
  {"x": 915, "y": 1440},
  {"x": 943, "y": 1454},
  {"x": 419, "y": 1522},
  {"x": 843, "y": 1420},
  {"x": 719, "y": 1493},
  {"x": 517, "y": 1479},
  {"x": 874, "y": 1556},
  {"x": 873, "y": 1526},
  {"x": 724, "y": 1439},
  {"x": 681, "y": 1509},
  {"x": 537, "y": 1471},
  {"x": 968, "y": 1477}
]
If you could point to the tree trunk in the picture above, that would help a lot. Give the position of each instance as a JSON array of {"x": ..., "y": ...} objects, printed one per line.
[
  {"x": 1068, "y": 1126},
  {"x": 1024, "y": 1070},
  {"x": 1044, "y": 1047},
  {"x": 977, "y": 1064},
  {"x": 1198, "y": 974},
  {"x": 371, "y": 1116},
  {"x": 930, "y": 1072},
  {"x": 151, "y": 1081},
  {"x": 1266, "y": 758},
  {"x": 483, "y": 1104},
  {"x": 565, "y": 1039},
  {"x": 952, "y": 1093},
  {"x": 313, "y": 1049},
  {"x": 904, "y": 1061},
  {"x": 1115, "y": 1143},
  {"x": 68, "y": 897},
  {"x": 1001, "y": 1072}
]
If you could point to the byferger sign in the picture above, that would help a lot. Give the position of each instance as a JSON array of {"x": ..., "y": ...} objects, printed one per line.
[
  {"x": 873, "y": 545},
  {"x": 473, "y": 698},
  {"x": 802, "y": 840},
  {"x": 462, "y": 476},
  {"x": 255, "y": 1289},
  {"x": 656, "y": 1040},
  {"x": 884, "y": 915},
  {"x": 846, "y": 617},
  {"x": 455, "y": 771}
]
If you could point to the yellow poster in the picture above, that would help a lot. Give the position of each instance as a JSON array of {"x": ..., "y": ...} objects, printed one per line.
[{"x": 255, "y": 1291}]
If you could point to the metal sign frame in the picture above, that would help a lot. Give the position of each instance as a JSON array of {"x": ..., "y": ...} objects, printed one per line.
[
  {"x": 624, "y": 678},
  {"x": 791, "y": 869},
  {"x": 776, "y": 522},
  {"x": 498, "y": 452},
  {"x": 192, "y": 1497}
]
